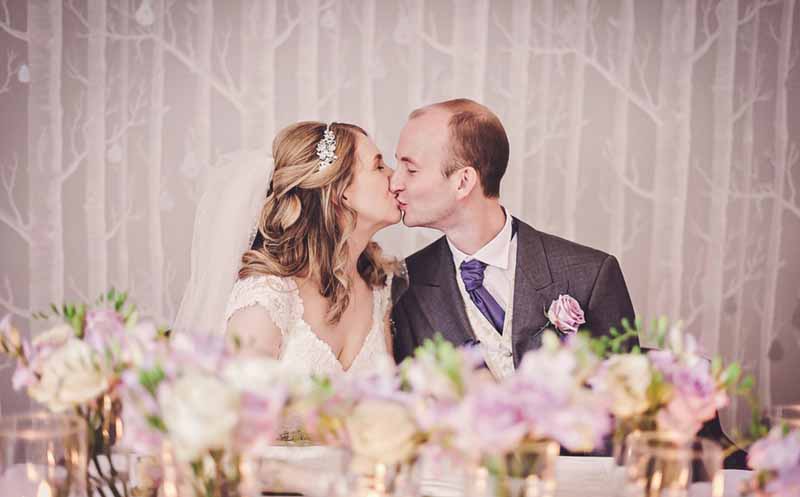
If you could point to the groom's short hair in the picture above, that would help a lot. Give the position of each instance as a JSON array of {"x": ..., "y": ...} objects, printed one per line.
[{"x": 477, "y": 139}]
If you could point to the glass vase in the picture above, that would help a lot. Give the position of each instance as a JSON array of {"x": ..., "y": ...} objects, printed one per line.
[
  {"x": 43, "y": 455},
  {"x": 528, "y": 471},
  {"x": 665, "y": 465}
]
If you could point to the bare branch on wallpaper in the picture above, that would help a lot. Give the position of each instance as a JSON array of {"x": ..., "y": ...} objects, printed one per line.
[
  {"x": 752, "y": 273},
  {"x": 6, "y": 24},
  {"x": 10, "y": 72},
  {"x": 13, "y": 219},
  {"x": 565, "y": 45},
  {"x": 631, "y": 181},
  {"x": 713, "y": 36},
  {"x": 7, "y": 300}
]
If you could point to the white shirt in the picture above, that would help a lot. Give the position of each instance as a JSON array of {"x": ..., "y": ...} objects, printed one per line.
[{"x": 500, "y": 256}]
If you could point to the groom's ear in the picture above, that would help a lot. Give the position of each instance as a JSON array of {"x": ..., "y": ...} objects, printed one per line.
[{"x": 467, "y": 180}]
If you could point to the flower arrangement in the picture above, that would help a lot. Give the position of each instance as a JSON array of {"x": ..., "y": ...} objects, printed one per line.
[
  {"x": 463, "y": 409},
  {"x": 366, "y": 414},
  {"x": 775, "y": 458},
  {"x": 207, "y": 408},
  {"x": 672, "y": 388},
  {"x": 77, "y": 365}
]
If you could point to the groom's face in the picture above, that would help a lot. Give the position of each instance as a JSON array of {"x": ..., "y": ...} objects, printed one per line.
[{"x": 425, "y": 195}]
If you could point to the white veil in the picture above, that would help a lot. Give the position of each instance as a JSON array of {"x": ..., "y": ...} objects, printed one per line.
[{"x": 233, "y": 194}]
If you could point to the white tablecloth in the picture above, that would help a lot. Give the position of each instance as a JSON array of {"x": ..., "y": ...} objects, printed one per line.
[
  {"x": 584, "y": 477},
  {"x": 576, "y": 477}
]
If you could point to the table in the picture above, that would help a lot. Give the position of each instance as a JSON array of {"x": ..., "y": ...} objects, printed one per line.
[{"x": 576, "y": 477}]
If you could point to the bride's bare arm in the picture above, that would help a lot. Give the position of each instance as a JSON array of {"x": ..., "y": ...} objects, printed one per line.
[{"x": 251, "y": 331}]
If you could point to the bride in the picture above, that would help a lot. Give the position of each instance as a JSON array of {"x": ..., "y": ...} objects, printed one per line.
[{"x": 286, "y": 266}]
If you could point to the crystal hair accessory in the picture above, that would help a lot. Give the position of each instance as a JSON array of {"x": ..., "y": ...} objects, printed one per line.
[{"x": 326, "y": 149}]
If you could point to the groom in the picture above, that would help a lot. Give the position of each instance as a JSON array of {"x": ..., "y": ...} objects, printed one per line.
[{"x": 491, "y": 278}]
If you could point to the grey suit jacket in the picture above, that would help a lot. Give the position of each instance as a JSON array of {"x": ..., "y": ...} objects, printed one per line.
[{"x": 547, "y": 266}]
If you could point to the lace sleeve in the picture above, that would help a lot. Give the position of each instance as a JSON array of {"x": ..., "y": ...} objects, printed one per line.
[{"x": 270, "y": 292}]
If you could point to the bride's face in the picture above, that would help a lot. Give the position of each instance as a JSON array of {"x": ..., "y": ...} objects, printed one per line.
[{"x": 369, "y": 193}]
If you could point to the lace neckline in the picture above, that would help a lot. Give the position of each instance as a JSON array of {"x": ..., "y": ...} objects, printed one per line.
[{"x": 303, "y": 325}]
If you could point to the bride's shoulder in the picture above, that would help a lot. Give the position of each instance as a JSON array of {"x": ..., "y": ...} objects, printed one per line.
[
  {"x": 261, "y": 283},
  {"x": 272, "y": 292}
]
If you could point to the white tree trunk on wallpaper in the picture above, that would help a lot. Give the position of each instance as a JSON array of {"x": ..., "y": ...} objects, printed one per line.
[
  {"x": 201, "y": 139},
  {"x": 751, "y": 88},
  {"x": 535, "y": 181},
  {"x": 155, "y": 136},
  {"x": 335, "y": 73},
  {"x": 119, "y": 184},
  {"x": 673, "y": 145},
  {"x": 366, "y": 25},
  {"x": 470, "y": 36},
  {"x": 769, "y": 327},
  {"x": 416, "y": 54},
  {"x": 416, "y": 94},
  {"x": 95, "y": 206},
  {"x": 517, "y": 125},
  {"x": 571, "y": 191},
  {"x": 723, "y": 94},
  {"x": 268, "y": 73},
  {"x": 251, "y": 70},
  {"x": 620, "y": 132},
  {"x": 307, "y": 62},
  {"x": 45, "y": 154}
]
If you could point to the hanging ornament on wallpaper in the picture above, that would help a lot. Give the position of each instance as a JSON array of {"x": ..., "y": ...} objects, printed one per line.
[
  {"x": 24, "y": 74},
  {"x": 402, "y": 31},
  {"x": 775, "y": 352},
  {"x": 114, "y": 154},
  {"x": 328, "y": 19},
  {"x": 144, "y": 14}
]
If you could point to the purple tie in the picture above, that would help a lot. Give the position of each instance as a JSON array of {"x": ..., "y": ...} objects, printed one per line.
[{"x": 472, "y": 274}]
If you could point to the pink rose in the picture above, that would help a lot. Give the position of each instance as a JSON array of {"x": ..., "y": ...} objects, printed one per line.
[{"x": 565, "y": 314}]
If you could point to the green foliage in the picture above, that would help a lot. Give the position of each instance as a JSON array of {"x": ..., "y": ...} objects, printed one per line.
[{"x": 75, "y": 314}]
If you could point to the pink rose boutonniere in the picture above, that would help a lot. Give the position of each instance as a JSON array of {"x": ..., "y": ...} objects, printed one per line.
[{"x": 565, "y": 314}]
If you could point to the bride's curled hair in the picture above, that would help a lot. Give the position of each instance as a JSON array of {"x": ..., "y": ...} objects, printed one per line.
[{"x": 305, "y": 224}]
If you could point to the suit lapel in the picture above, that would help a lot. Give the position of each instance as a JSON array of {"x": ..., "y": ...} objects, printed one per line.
[
  {"x": 534, "y": 290},
  {"x": 440, "y": 299}
]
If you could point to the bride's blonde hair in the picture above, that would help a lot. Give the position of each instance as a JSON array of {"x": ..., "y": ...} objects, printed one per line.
[{"x": 305, "y": 224}]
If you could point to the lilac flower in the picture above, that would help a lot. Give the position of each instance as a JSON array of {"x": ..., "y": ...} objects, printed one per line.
[
  {"x": 777, "y": 451},
  {"x": 488, "y": 421},
  {"x": 104, "y": 329},
  {"x": 694, "y": 396},
  {"x": 776, "y": 458},
  {"x": 199, "y": 351},
  {"x": 565, "y": 314}
]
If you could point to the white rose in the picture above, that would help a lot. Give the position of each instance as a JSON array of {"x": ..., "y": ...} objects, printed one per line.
[
  {"x": 258, "y": 374},
  {"x": 626, "y": 380},
  {"x": 201, "y": 412},
  {"x": 54, "y": 337},
  {"x": 381, "y": 431},
  {"x": 70, "y": 376}
]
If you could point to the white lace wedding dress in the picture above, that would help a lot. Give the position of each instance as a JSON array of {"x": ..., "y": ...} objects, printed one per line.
[
  {"x": 311, "y": 470},
  {"x": 300, "y": 346}
]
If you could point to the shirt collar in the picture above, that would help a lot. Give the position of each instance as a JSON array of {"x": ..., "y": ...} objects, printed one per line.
[{"x": 495, "y": 253}]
